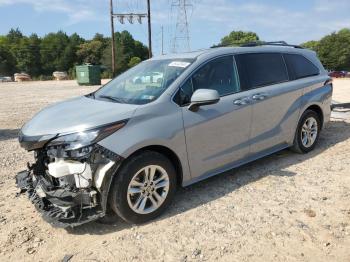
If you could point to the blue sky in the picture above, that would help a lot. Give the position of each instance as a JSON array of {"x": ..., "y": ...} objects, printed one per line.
[{"x": 295, "y": 21}]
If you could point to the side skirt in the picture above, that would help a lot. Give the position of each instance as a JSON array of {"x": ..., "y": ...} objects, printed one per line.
[{"x": 238, "y": 163}]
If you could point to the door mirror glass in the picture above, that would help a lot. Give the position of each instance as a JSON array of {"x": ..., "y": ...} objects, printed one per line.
[{"x": 203, "y": 97}]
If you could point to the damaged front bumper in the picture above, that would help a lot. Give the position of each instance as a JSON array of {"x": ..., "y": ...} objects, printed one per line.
[{"x": 65, "y": 194}]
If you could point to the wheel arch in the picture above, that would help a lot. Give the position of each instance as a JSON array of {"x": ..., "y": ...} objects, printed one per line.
[
  {"x": 318, "y": 110},
  {"x": 314, "y": 107},
  {"x": 170, "y": 154}
]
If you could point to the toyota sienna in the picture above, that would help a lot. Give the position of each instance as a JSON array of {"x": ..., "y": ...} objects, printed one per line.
[{"x": 171, "y": 121}]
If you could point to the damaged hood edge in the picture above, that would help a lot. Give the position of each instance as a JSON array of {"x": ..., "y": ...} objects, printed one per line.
[{"x": 34, "y": 142}]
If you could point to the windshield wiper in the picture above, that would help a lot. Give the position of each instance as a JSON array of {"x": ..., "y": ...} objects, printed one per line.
[
  {"x": 114, "y": 99},
  {"x": 91, "y": 95}
]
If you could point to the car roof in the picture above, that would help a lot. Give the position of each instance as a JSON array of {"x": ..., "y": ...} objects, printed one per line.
[
  {"x": 233, "y": 50},
  {"x": 185, "y": 55}
]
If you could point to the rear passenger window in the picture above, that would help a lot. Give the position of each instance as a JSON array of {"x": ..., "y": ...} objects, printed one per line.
[
  {"x": 258, "y": 70},
  {"x": 300, "y": 67}
]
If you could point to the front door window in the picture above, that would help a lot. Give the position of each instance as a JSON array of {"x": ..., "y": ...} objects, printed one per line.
[{"x": 219, "y": 74}]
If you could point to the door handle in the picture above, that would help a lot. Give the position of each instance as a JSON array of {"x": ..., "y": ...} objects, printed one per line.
[
  {"x": 241, "y": 101},
  {"x": 259, "y": 96}
]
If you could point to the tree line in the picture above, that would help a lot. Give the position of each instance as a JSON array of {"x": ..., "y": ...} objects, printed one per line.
[
  {"x": 41, "y": 56},
  {"x": 333, "y": 49}
]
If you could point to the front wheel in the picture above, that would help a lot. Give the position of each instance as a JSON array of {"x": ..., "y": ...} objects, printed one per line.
[
  {"x": 307, "y": 133},
  {"x": 143, "y": 188}
]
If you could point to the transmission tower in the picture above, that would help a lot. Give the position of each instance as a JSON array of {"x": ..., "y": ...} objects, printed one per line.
[{"x": 181, "y": 40}]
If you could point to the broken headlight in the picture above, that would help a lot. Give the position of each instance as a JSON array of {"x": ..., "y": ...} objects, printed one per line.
[{"x": 80, "y": 143}]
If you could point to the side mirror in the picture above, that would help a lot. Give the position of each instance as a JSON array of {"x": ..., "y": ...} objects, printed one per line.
[{"x": 202, "y": 97}]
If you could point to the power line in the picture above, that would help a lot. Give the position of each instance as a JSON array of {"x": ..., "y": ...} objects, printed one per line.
[{"x": 131, "y": 18}]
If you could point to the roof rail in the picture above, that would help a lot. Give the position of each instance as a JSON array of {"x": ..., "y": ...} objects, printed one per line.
[{"x": 275, "y": 43}]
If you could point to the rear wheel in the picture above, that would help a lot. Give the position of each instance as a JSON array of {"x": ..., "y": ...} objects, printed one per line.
[
  {"x": 307, "y": 133},
  {"x": 144, "y": 187}
]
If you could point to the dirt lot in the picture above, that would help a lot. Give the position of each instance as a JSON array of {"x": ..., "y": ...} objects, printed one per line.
[{"x": 285, "y": 207}]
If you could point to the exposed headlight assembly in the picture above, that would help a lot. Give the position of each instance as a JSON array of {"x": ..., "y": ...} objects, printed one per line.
[{"x": 80, "y": 142}]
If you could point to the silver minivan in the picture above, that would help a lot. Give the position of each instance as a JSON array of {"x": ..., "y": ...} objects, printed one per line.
[{"x": 171, "y": 121}]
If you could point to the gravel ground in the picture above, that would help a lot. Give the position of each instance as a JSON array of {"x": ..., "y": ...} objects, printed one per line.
[{"x": 285, "y": 207}]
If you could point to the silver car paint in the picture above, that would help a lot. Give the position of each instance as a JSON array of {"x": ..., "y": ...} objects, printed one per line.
[
  {"x": 203, "y": 141},
  {"x": 316, "y": 93},
  {"x": 76, "y": 114},
  {"x": 210, "y": 123},
  {"x": 154, "y": 124},
  {"x": 273, "y": 116}
]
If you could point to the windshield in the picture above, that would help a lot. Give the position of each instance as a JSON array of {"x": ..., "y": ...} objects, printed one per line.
[{"x": 143, "y": 83}]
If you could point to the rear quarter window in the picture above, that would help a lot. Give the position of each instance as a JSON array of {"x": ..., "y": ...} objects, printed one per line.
[
  {"x": 261, "y": 69},
  {"x": 300, "y": 67}
]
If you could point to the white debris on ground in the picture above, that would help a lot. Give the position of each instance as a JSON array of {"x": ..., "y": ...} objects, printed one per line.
[{"x": 285, "y": 207}]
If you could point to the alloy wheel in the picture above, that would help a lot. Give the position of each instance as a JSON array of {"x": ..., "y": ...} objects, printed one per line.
[
  {"x": 309, "y": 132},
  {"x": 148, "y": 189}
]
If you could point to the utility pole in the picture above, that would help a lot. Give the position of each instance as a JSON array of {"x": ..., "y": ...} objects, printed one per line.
[
  {"x": 149, "y": 29},
  {"x": 113, "y": 40},
  {"x": 162, "y": 40}
]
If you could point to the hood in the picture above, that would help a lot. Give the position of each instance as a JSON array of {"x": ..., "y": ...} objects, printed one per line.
[{"x": 75, "y": 115}]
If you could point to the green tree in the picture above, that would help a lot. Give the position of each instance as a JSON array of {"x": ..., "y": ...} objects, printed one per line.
[
  {"x": 102, "y": 39},
  {"x": 70, "y": 53},
  {"x": 140, "y": 50},
  {"x": 313, "y": 45},
  {"x": 25, "y": 51},
  {"x": 7, "y": 62},
  {"x": 59, "y": 52},
  {"x": 34, "y": 47},
  {"x": 51, "y": 49},
  {"x": 237, "y": 38},
  {"x": 126, "y": 48},
  {"x": 23, "y": 55},
  {"x": 333, "y": 50},
  {"x": 14, "y": 36},
  {"x": 134, "y": 61},
  {"x": 91, "y": 52},
  {"x": 27, "y": 54}
]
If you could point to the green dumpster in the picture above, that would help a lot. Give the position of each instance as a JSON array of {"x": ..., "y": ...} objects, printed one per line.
[{"x": 88, "y": 74}]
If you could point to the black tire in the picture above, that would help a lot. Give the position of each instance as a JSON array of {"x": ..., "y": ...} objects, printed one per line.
[
  {"x": 298, "y": 146},
  {"x": 119, "y": 191}
]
